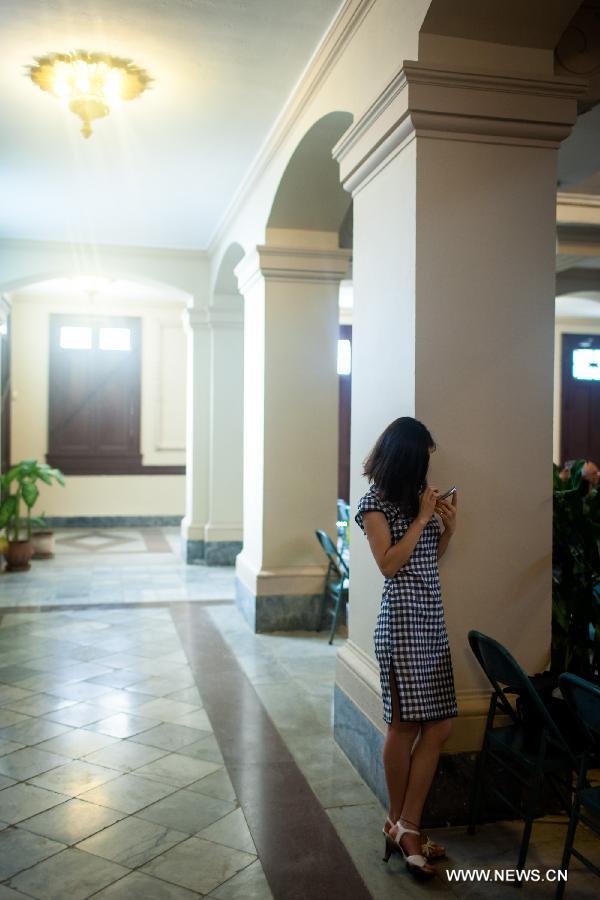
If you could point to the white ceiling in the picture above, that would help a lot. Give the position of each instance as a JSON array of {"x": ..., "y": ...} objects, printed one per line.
[
  {"x": 161, "y": 170},
  {"x": 99, "y": 291}
]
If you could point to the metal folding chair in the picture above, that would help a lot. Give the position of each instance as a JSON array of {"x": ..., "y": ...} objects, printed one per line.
[
  {"x": 583, "y": 698},
  {"x": 531, "y": 747},
  {"x": 336, "y": 581}
]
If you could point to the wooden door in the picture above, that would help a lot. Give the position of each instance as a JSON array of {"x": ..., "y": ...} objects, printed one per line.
[{"x": 580, "y": 399}]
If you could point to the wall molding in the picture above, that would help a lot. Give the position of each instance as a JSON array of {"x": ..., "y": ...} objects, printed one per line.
[{"x": 292, "y": 264}]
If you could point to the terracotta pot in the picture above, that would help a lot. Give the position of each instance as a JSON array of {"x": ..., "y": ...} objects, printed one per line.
[
  {"x": 43, "y": 544},
  {"x": 18, "y": 555}
]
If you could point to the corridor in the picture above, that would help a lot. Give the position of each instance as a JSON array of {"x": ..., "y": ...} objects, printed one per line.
[{"x": 157, "y": 748}]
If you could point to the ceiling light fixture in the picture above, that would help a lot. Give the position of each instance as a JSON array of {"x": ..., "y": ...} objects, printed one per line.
[{"x": 89, "y": 84}]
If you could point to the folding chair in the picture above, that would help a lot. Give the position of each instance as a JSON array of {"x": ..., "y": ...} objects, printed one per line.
[
  {"x": 336, "y": 581},
  {"x": 531, "y": 748},
  {"x": 583, "y": 698}
]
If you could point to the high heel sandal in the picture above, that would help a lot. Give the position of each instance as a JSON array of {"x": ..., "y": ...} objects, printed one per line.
[
  {"x": 429, "y": 849},
  {"x": 415, "y": 862}
]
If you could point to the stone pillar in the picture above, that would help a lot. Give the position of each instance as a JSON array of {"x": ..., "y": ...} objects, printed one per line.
[
  {"x": 223, "y": 531},
  {"x": 454, "y": 182},
  {"x": 290, "y": 430},
  {"x": 196, "y": 321}
]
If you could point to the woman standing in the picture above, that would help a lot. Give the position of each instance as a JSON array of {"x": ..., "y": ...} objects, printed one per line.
[{"x": 411, "y": 642}]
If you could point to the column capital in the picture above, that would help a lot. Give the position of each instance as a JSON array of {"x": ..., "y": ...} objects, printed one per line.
[
  {"x": 292, "y": 264},
  {"x": 205, "y": 317},
  {"x": 480, "y": 107}
]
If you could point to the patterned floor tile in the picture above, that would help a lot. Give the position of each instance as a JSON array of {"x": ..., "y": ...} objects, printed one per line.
[
  {"x": 21, "y": 849},
  {"x": 170, "y": 737},
  {"x": 132, "y": 842},
  {"x": 129, "y": 793},
  {"x": 24, "y": 764},
  {"x": 232, "y": 831},
  {"x": 24, "y": 800},
  {"x": 187, "y": 811},
  {"x": 72, "y": 821},
  {"x": 198, "y": 865},
  {"x": 138, "y": 886},
  {"x": 72, "y": 873},
  {"x": 178, "y": 770},
  {"x": 74, "y": 778},
  {"x": 77, "y": 743}
]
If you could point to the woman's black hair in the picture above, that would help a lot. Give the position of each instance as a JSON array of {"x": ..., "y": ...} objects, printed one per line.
[{"x": 398, "y": 463}]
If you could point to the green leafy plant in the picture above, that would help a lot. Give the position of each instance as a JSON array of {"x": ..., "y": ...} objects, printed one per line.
[
  {"x": 575, "y": 575},
  {"x": 20, "y": 491}
]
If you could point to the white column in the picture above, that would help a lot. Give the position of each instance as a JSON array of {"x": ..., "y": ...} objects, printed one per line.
[
  {"x": 223, "y": 531},
  {"x": 290, "y": 430},
  {"x": 197, "y": 443},
  {"x": 454, "y": 182}
]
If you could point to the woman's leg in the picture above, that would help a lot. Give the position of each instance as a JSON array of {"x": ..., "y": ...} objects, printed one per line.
[
  {"x": 397, "y": 754},
  {"x": 423, "y": 764}
]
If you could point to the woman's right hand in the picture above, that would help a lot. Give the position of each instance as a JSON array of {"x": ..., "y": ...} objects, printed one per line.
[{"x": 429, "y": 498}]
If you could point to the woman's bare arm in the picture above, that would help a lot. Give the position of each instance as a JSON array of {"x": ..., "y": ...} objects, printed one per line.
[{"x": 391, "y": 557}]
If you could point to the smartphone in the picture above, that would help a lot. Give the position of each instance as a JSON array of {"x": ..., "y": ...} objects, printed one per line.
[{"x": 447, "y": 494}]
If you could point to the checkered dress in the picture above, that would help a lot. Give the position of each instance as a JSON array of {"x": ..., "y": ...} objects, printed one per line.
[{"x": 410, "y": 634}]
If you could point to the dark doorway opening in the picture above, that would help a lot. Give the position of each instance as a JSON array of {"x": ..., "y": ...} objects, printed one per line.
[{"x": 580, "y": 397}]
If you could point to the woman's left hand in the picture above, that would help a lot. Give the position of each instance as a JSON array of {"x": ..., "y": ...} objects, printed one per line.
[{"x": 446, "y": 510}]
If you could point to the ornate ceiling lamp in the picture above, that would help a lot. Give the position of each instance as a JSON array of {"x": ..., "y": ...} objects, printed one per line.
[{"x": 88, "y": 84}]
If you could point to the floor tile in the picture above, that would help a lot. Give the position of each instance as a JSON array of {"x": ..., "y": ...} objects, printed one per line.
[
  {"x": 9, "y": 717},
  {"x": 132, "y": 842},
  {"x": 77, "y": 716},
  {"x": 249, "y": 884},
  {"x": 170, "y": 737},
  {"x": 9, "y": 747},
  {"x": 7, "y": 893},
  {"x": 77, "y": 743},
  {"x": 198, "y": 865},
  {"x": 232, "y": 831},
  {"x": 6, "y": 781},
  {"x": 123, "y": 725},
  {"x": 138, "y": 886},
  {"x": 129, "y": 793},
  {"x": 118, "y": 678},
  {"x": 74, "y": 778},
  {"x": 122, "y": 701},
  {"x": 166, "y": 710},
  {"x": 38, "y": 705},
  {"x": 72, "y": 821},
  {"x": 178, "y": 770},
  {"x": 196, "y": 719},
  {"x": 24, "y": 800},
  {"x": 161, "y": 685},
  {"x": 10, "y": 693},
  {"x": 207, "y": 748},
  {"x": 33, "y": 731},
  {"x": 187, "y": 695},
  {"x": 13, "y": 674},
  {"x": 125, "y": 756},
  {"x": 216, "y": 785},
  {"x": 187, "y": 811},
  {"x": 79, "y": 690},
  {"x": 31, "y": 761},
  {"x": 20, "y": 849},
  {"x": 71, "y": 874}
]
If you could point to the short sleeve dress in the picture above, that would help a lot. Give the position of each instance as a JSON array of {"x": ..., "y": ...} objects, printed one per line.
[{"x": 410, "y": 635}]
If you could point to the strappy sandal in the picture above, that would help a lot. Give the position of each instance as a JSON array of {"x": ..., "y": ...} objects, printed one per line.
[
  {"x": 429, "y": 848},
  {"x": 416, "y": 863}
]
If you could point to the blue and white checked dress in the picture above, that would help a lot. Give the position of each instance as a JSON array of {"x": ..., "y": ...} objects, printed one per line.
[{"x": 410, "y": 634}]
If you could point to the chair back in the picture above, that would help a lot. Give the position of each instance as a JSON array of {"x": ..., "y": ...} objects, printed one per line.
[
  {"x": 333, "y": 556},
  {"x": 583, "y": 698},
  {"x": 343, "y": 510},
  {"x": 501, "y": 668}
]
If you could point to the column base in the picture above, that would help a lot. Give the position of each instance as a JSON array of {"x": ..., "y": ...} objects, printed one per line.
[
  {"x": 221, "y": 553},
  {"x": 279, "y": 612},
  {"x": 192, "y": 551}
]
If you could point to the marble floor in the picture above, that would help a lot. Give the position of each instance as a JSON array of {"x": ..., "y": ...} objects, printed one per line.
[{"x": 153, "y": 747}]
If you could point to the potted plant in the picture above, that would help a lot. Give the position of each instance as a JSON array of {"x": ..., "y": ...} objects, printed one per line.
[
  {"x": 20, "y": 493},
  {"x": 575, "y": 575}
]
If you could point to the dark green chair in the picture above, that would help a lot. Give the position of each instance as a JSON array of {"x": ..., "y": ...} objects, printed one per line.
[
  {"x": 530, "y": 747},
  {"x": 336, "y": 582},
  {"x": 583, "y": 698}
]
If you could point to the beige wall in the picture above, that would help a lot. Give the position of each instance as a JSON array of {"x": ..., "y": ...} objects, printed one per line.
[{"x": 162, "y": 408}]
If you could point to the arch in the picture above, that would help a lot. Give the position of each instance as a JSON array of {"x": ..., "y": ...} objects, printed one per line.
[
  {"x": 309, "y": 196},
  {"x": 17, "y": 284},
  {"x": 225, "y": 280}
]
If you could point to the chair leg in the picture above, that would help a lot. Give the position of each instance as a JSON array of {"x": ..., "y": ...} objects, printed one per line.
[
  {"x": 569, "y": 841},
  {"x": 476, "y": 790},
  {"x": 336, "y": 613},
  {"x": 534, "y": 794}
]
